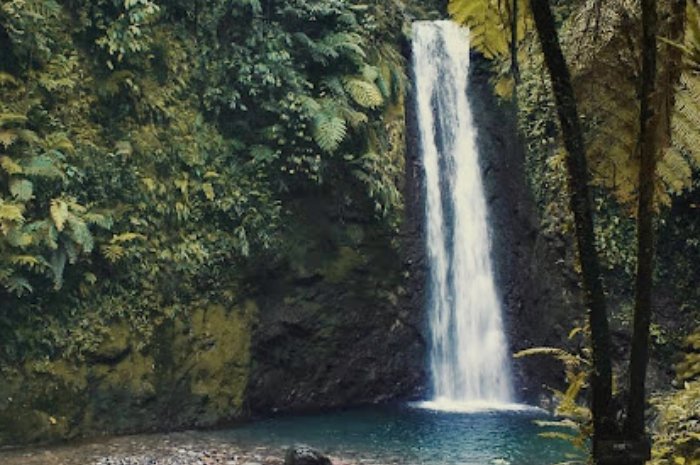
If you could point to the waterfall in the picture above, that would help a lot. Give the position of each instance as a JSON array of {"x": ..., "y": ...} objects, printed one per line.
[{"x": 468, "y": 357}]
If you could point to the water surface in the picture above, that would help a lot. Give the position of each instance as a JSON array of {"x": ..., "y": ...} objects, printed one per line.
[{"x": 410, "y": 435}]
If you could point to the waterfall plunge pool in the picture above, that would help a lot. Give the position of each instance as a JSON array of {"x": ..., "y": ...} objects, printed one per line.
[
  {"x": 377, "y": 435},
  {"x": 417, "y": 434}
]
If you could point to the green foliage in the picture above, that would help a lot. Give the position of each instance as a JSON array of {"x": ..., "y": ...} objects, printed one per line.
[
  {"x": 677, "y": 435},
  {"x": 39, "y": 231},
  {"x": 148, "y": 149},
  {"x": 574, "y": 421},
  {"x": 490, "y": 23}
]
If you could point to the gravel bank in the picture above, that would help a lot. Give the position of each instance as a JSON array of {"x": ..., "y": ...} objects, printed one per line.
[{"x": 185, "y": 448}]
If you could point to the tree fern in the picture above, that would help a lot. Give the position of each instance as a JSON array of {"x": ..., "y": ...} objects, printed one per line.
[
  {"x": 490, "y": 23},
  {"x": 686, "y": 119}
]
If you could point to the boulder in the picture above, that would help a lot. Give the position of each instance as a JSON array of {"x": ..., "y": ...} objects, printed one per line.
[{"x": 305, "y": 455}]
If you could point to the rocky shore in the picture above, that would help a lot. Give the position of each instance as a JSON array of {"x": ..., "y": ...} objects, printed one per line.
[{"x": 184, "y": 448}]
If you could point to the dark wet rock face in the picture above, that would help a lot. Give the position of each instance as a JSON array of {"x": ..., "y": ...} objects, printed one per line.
[
  {"x": 336, "y": 324},
  {"x": 305, "y": 455}
]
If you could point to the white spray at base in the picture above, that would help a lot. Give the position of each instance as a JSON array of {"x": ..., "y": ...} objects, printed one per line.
[{"x": 468, "y": 357}]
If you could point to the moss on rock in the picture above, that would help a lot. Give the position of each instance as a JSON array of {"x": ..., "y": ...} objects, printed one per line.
[{"x": 194, "y": 372}]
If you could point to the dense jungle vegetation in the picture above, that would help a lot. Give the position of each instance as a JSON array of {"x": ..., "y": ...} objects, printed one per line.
[
  {"x": 151, "y": 153},
  {"x": 149, "y": 148}
]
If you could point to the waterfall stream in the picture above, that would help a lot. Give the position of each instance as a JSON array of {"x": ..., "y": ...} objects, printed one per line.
[{"x": 468, "y": 357}]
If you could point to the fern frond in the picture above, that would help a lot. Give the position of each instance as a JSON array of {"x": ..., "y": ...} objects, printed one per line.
[
  {"x": 7, "y": 78},
  {"x": 558, "y": 435},
  {"x": 80, "y": 233},
  {"x": 364, "y": 93},
  {"x": 29, "y": 261},
  {"x": 686, "y": 119},
  {"x": 329, "y": 128},
  {"x": 565, "y": 423},
  {"x": 59, "y": 141},
  {"x": 18, "y": 285},
  {"x": 11, "y": 212},
  {"x": 43, "y": 231},
  {"x": 675, "y": 171},
  {"x": 113, "y": 252},
  {"x": 57, "y": 265},
  {"x": 309, "y": 105},
  {"x": 59, "y": 213},
  {"x": 127, "y": 237},
  {"x": 20, "y": 237},
  {"x": 353, "y": 117},
  {"x": 9, "y": 165},
  {"x": 8, "y": 137},
  {"x": 562, "y": 355},
  {"x": 348, "y": 44},
  {"x": 334, "y": 86},
  {"x": 7, "y": 119},
  {"x": 42, "y": 166},
  {"x": 104, "y": 221},
  {"x": 489, "y": 24}
]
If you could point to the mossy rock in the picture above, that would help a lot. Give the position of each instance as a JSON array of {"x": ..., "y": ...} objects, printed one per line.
[
  {"x": 194, "y": 373},
  {"x": 347, "y": 260}
]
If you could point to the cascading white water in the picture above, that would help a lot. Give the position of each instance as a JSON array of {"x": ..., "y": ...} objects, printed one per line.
[{"x": 469, "y": 360}]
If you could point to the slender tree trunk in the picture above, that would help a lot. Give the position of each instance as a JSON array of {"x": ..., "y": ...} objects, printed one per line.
[
  {"x": 601, "y": 381},
  {"x": 648, "y": 122},
  {"x": 514, "y": 66}
]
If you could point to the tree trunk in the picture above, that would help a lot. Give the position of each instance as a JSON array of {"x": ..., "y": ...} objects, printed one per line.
[
  {"x": 648, "y": 122},
  {"x": 514, "y": 66},
  {"x": 601, "y": 380}
]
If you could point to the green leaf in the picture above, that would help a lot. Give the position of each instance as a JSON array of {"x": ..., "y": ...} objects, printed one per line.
[
  {"x": 365, "y": 93},
  {"x": 8, "y": 137},
  {"x": 329, "y": 131},
  {"x": 12, "y": 118},
  {"x": 42, "y": 166},
  {"x": 59, "y": 213},
  {"x": 18, "y": 285},
  {"x": 11, "y": 212},
  {"x": 9, "y": 165},
  {"x": 21, "y": 189}
]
